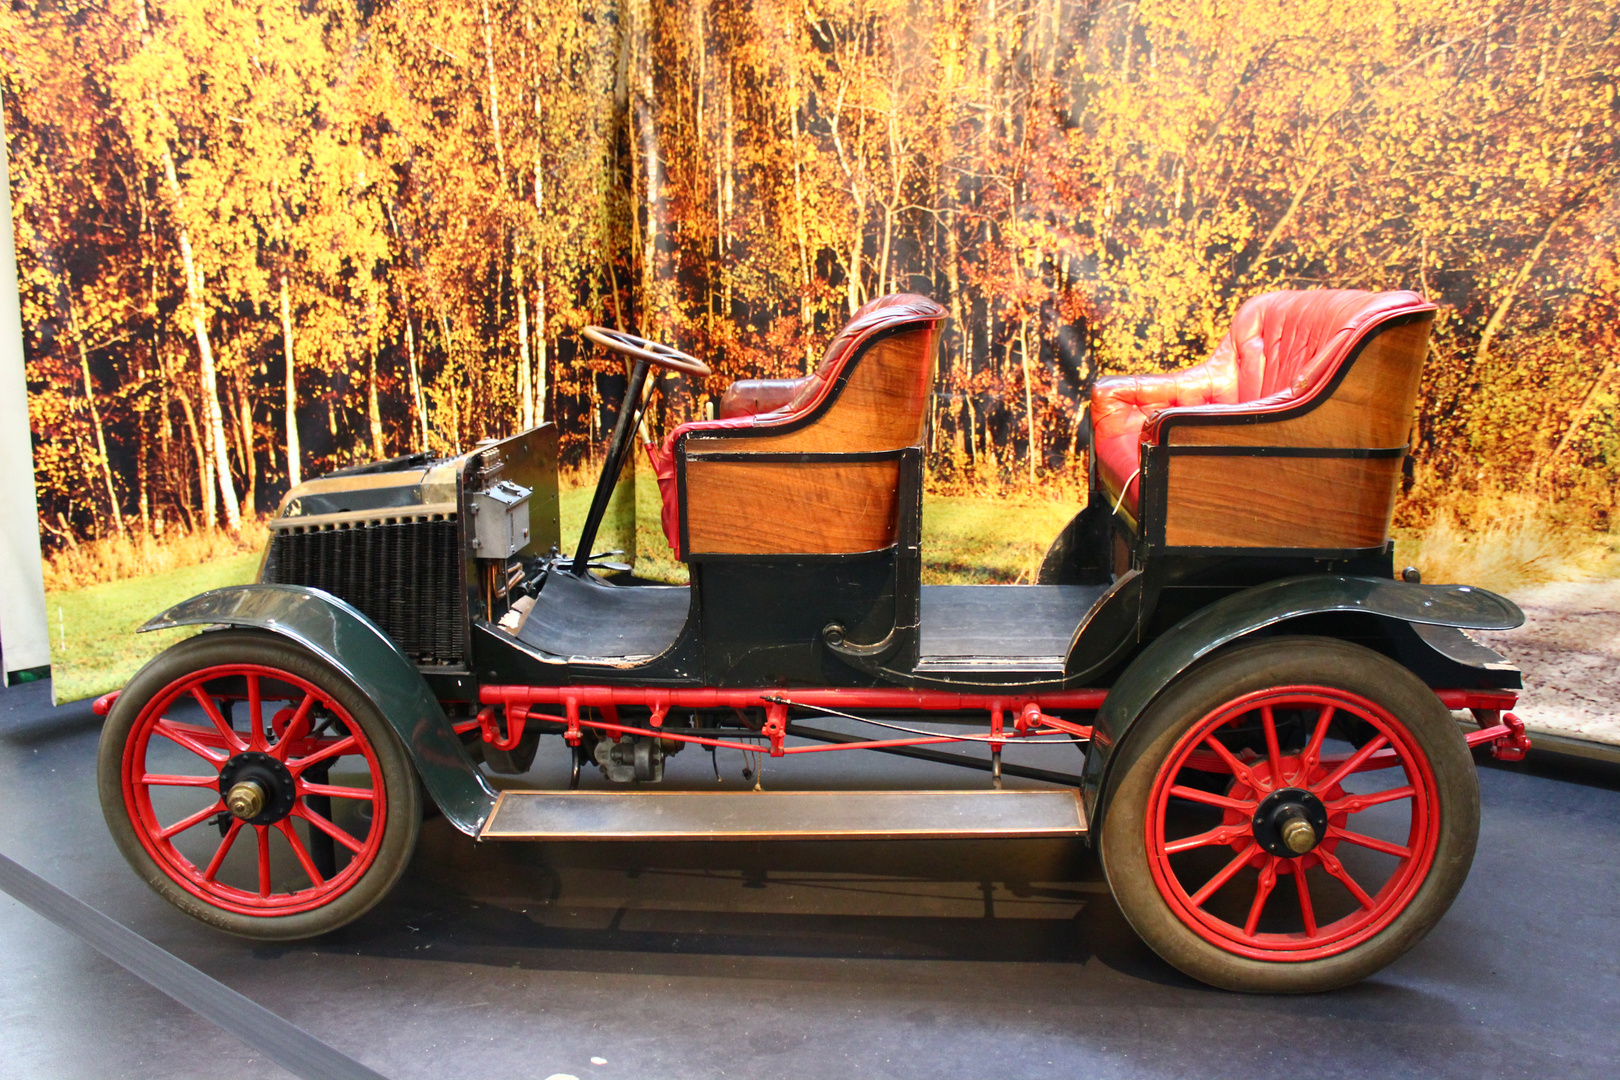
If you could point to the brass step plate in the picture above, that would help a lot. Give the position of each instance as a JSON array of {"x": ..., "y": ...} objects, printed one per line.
[{"x": 783, "y": 815}]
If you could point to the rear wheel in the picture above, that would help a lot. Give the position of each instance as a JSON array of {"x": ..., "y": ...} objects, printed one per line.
[
  {"x": 1290, "y": 816},
  {"x": 256, "y": 788}
]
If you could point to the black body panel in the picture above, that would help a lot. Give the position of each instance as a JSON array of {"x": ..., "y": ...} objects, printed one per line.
[
  {"x": 763, "y": 617},
  {"x": 1002, "y": 621}
]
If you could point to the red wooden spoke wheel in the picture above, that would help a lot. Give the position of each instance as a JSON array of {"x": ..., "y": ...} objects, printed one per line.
[
  {"x": 1291, "y": 815},
  {"x": 257, "y": 778},
  {"x": 216, "y": 775},
  {"x": 1286, "y": 812}
]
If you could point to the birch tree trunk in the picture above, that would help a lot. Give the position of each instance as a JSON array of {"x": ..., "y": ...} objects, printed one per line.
[
  {"x": 1029, "y": 397},
  {"x": 728, "y": 189},
  {"x": 95, "y": 420},
  {"x": 205, "y": 462},
  {"x": 853, "y": 282},
  {"x": 539, "y": 285},
  {"x": 373, "y": 408},
  {"x": 1578, "y": 417},
  {"x": 896, "y": 175},
  {"x": 213, "y": 418},
  {"x": 494, "y": 95},
  {"x": 455, "y": 404},
  {"x": 244, "y": 420},
  {"x": 294, "y": 452},
  {"x": 647, "y": 135},
  {"x": 524, "y": 389},
  {"x": 420, "y": 427},
  {"x": 165, "y": 448},
  {"x": 1499, "y": 316},
  {"x": 801, "y": 234},
  {"x": 540, "y": 353}
]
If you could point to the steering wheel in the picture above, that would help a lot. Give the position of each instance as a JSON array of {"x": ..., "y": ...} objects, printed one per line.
[{"x": 655, "y": 353}]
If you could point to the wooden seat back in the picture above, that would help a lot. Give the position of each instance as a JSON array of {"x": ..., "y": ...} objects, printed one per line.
[
  {"x": 1319, "y": 473},
  {"x": 824, "y": 482}
]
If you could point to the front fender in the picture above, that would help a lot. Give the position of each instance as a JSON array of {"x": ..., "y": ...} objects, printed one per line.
[
  {"x": 1240, "y": 614},
  {"x": 353, "y": 644}
]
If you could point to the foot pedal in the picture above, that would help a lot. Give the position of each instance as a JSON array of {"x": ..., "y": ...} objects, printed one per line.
[{"x": 783, "y": 815}]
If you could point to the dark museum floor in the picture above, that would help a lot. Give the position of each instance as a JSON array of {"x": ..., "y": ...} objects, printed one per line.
[{"x": 939, "y": 959}]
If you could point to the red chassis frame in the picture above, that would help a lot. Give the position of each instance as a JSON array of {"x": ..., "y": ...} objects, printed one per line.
[{"x": 1500, "y": 730}]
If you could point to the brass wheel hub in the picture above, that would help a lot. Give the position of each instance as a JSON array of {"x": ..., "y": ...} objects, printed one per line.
[
  {"x": 256, "y": 788},
  {"x": 1290, "y": 822},
  {"x": 245, "y": 800},
  {"x": 1297, "y": 833}
]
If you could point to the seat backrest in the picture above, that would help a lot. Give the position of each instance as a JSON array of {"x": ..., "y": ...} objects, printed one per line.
[
  {"x": 1310, "y": 400},
  {"x": 1287, "y": 344},
  {"x": 821, "y": 476},
  {"x": 870, "y": 391},
  {"x": 871, "y": 317}
]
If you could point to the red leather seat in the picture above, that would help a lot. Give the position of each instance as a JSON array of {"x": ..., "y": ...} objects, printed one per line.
[
  {"x": 1282, "y": 348},
  {"x": 769, "y": 402}
]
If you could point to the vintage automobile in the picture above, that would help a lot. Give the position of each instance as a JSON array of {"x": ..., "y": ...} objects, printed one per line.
[{"x": 1274, "y": 726}]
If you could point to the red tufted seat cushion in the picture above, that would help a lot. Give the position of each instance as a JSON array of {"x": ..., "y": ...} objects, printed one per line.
[
  {"x": 1282, "y": 348},
  {"x": 755, "y": 402}
]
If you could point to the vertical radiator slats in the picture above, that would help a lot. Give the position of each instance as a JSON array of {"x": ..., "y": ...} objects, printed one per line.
[{"x": 404, "y": 574}]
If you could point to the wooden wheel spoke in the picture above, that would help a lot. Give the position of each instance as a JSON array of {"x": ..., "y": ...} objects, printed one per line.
[
  {"x": 336, "y": 748},
  {"x": 1213, "y": 885},
  {"x": 1209, "y": 798},
  {"x": 1381, "y": 760},
  {"x": 297, "y": 728},
  {"x": 232, "y": 739},
  {"x": 1224, "y": 834},
  {"x": 306, "y": 788},
  {"x": 1268, "y": 881},
  {"x": 256, "y": 736},
  {"x": 1371, "y": 843},
  {"x": 1312, "y": 755},
  {"x": 223, "y": 850},
  {"x": 1307, "y": 910},
  {"x": 182, "y": 735},
  {"x": 287, "y": 830},
  {"x": 1355, "y": 804},
  {"x": 166, "y": 780},
  {"x": 328, "y": 828},
  {"x": 1239, "y": 770},
  {"x": 194, "y": 819},
  {"x": 1268, "y": 722},
  {"x": 1334, "y": 867},
  {"x": 263, "y": 832},
  {"x": 1357, "y": 762}
]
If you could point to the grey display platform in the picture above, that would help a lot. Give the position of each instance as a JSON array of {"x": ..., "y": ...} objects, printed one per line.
[{"x": 802, "y": 959}]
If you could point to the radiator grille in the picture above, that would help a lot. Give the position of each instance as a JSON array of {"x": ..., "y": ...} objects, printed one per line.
[{"x": 403, "y": 572}]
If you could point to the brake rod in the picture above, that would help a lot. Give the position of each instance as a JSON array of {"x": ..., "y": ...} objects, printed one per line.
[{"x": 940, "y": 756}]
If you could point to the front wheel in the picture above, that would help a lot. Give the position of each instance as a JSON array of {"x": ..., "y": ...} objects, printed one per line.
[
  {"x": 1290, "y": 816},
  {"x": 256, "y": 788}
]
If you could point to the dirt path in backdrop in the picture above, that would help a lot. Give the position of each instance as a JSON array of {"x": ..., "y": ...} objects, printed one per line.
[{"x": 1569, "y": 650}]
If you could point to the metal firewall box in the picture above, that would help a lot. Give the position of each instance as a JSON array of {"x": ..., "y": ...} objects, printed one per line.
[{"x": 500, "y": 520}]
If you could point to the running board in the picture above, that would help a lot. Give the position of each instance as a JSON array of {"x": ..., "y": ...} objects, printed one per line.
[{"x": 783, "y": 815}]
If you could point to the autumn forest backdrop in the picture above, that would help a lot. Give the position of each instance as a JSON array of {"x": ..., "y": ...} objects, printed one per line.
[{"x": 259, "y": 240}]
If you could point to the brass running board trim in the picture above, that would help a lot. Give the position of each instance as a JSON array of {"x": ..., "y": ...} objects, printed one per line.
[{"x": 783, "y": 815}]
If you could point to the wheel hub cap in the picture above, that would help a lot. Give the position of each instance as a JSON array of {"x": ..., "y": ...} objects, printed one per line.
[
  {"x": 1290, "y": 822},
  {"x": 257, "y": 789},
  {"x": 245, "y": 800}
]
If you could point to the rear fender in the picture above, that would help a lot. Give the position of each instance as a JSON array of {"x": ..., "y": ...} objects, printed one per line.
[
  {"x": 1244, "y": 613},
  {"x": 353, "y": 644}
]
